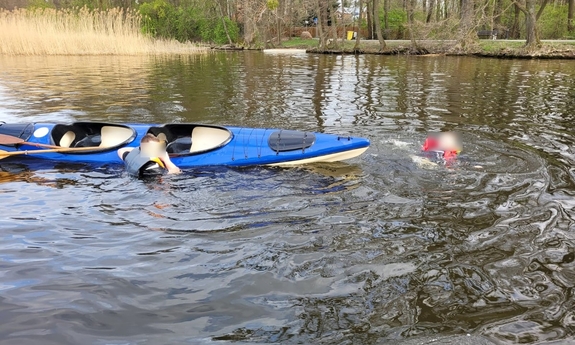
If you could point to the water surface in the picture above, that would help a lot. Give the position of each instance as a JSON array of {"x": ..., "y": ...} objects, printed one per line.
[{"x": 383, "y": 248}]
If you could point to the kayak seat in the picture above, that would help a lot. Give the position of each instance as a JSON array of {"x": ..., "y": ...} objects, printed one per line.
[
  {"x": 91, "y": 134},
  {"x": 67, "y": 135},
  {"x": 114, "y": 135},
  {"x": 67, "y": 139},
  {"x": 89, "y": 141},
  {"x": 180, "y": 145},
  {"x": 207, "y": 138},
  {"x": 162, "y": 134}
]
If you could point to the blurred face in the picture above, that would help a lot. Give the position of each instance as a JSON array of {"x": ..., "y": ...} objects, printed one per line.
[
  {"x": 153, "y": 148},
  {"x": 449, "y": 141}
]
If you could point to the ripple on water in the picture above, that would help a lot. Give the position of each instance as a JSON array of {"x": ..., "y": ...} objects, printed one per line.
[{"x": 381, "y": 250}]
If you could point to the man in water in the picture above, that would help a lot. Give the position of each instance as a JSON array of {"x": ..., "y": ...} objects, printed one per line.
[
  {"x": 150, "y": 158},
  {"x": 446, "y": 143}
]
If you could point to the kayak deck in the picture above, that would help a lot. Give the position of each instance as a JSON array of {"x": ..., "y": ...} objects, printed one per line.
[{"x": 188, "y": 144}]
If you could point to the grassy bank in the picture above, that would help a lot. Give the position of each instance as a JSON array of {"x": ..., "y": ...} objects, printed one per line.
[
  {"x": 81, "y": 32},
  {"x": 487, "y": 48}
]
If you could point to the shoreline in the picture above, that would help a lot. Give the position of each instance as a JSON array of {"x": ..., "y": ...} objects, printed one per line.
[{"x": 500, "y": 49}]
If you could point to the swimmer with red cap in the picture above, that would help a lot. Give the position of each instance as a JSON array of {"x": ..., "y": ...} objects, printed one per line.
[{"x": 447, "y": 144}]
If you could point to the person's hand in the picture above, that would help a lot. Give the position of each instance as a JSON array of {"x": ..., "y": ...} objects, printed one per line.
[{"x": 172, "y": 168}]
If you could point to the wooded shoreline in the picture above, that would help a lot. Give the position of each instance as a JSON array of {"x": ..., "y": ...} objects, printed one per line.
[{"x": 503, "y": 49}]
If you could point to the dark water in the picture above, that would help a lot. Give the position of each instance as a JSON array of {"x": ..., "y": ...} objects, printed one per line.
[{"x": 384, "y": 248}]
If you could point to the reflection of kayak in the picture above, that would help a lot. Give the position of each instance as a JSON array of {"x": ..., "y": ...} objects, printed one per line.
[{"x": 188, "y": 144}]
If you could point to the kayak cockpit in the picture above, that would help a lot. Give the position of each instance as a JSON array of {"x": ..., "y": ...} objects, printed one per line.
[
  {"x": 191, "y": 139},
  {"x": 99, "y": 135}
]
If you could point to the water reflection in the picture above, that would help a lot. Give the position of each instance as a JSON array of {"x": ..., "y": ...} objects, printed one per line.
[{"x": 379, "y": 250}]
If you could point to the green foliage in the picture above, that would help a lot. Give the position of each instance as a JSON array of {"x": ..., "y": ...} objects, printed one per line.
[
  {"x": 553, "y": 22},
  {"x": 273, "y": 4},
  {"x": 396, "y": 21},
  {"x": 40, "y": 4},
  {"x": 214, "y": 31},
  {"x": 162, "y": 19},
  {"x": 220, "y": 34}
]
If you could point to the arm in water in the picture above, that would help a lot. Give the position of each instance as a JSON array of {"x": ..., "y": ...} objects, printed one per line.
[{"x": 172, "y": 168}]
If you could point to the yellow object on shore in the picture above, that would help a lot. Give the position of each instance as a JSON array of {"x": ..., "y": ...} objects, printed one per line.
[
  {"x": 48, "y": 31},
  {"x": 350, "y": 35}
]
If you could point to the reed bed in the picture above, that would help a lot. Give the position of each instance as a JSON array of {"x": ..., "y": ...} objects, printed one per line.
[{"x": 80, "y": 31}]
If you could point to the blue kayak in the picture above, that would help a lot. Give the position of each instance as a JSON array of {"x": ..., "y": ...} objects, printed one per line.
[{"x": 189, "y": 145}]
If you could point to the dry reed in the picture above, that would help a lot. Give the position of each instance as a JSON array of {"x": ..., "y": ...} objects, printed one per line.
[{"x": 81, "y": 32}]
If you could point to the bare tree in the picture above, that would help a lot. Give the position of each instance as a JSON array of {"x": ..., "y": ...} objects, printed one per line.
[
  {"x": 369, "y": 19},
  {"x": 378, "y": 25},
  {"x": 467, "y": 25},
  {"x": 320, "y": 9},
  {"x": 357, "y": 38},
  {"x": 532, "y": 40},
  {"x": 570, "y": 13},
  {"x": 430, "y": 11},
  {"x": 224, "y": 17}
]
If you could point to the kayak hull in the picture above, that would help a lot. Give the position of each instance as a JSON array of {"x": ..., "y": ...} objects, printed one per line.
[{"x": 207, "y": 145}]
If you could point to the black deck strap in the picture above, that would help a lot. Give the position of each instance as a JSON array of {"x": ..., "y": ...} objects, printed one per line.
[
  {"x": 286, "y": 140},
  {"x": 19, "y": 130}
]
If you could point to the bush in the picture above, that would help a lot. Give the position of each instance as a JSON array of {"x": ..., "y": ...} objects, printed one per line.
[
  {"x": 161, "y": 19},
  {"x": 33, "y": 4},
  {"x": 213, "y": 30},
  {"x": 397, "y": 23},
  {"x": 553, "y": 22}
]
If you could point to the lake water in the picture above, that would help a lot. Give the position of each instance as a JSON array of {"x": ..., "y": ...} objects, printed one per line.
[{"x": 384, "y": 248}]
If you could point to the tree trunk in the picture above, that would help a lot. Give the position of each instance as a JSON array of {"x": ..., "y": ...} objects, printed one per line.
[
  {"x": 369, "y": 20},
  {"x": 378, "y": 25},
  {"x": 246, "y": 13},
  {"x": 410, "y": 10},
  {"x": 497, "y": 11},
  {"x": 430, "y": 11},
  {"x": 357, "y": 39},
  {"x": 466, "y": 26},
  {"x": 333, "y": 28},
  {"x": 320, "y": 22},
  {"x": 532, "y": 40},
  {"x": 279, "y": 28},
  {"x": 224, "y": 23},
  {"x": 386, "y": 5},
  {"x": 541, "y": 8},
  {"x": 515, "y": 28},
  {"x": 424, "y": 6},
  {"x": 570, "y": 13}
]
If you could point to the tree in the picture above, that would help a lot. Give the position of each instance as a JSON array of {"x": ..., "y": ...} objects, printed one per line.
[
  {"x": 320, "y": 10},
  {"x": 223, "y": 17},
  {"x": 532, "y": 40},
  {"x": 467, "y": 24},
  {"x": 357, "y": 39},
  {"x": 570, "y": 13},
  {"x": 375, "y": 7}
]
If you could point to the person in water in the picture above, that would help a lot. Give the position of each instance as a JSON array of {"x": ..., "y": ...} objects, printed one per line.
[
  {"x": 150, "y": 158},
  {"x": 447, "y": 144}
]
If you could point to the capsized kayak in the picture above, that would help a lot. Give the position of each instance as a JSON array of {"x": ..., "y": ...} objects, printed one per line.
[{"x": 189, "y": 144}]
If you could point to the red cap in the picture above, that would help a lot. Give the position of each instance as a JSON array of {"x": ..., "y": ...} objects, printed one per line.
[{"x": 430, "y": 144}]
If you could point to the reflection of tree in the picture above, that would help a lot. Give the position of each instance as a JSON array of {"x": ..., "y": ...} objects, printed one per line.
[
  {"x": 13, "y": 172},
  {"x": 320, "y": 87}
]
